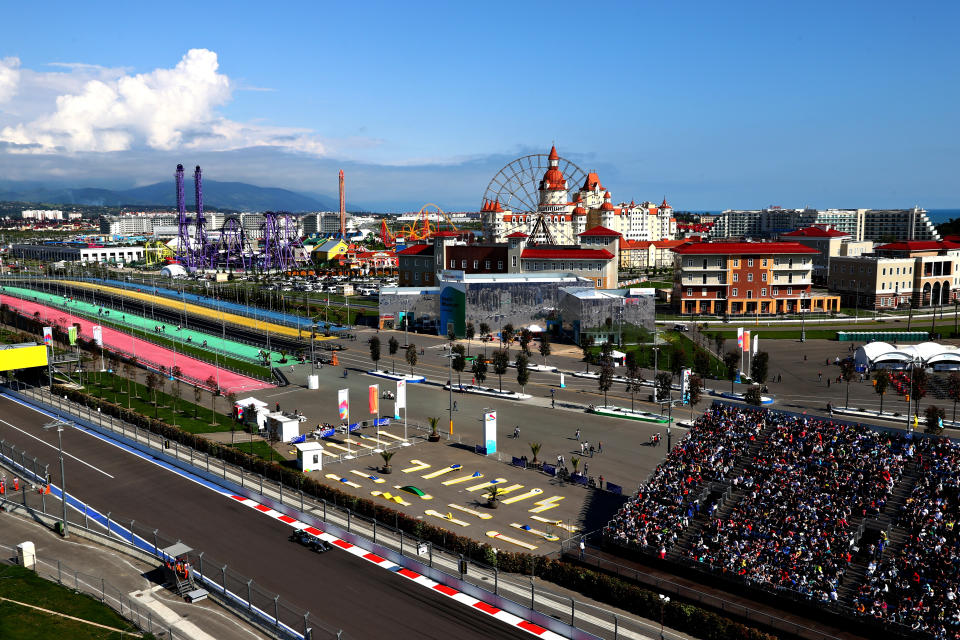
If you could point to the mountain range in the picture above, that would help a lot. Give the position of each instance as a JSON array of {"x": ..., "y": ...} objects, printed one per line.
[{"x": 237, "y": 196}]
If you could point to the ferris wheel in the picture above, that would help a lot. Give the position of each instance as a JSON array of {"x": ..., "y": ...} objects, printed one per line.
[{"x": 516, "y": 185}]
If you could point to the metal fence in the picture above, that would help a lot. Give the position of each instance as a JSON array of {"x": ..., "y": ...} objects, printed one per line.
[{"x": 98, "y": 588}]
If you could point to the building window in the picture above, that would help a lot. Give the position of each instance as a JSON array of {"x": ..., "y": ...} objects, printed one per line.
[
  {"x": 749, "y": 277},
  {"x": 736, "y": 277},
  {"x": 599, "y": 282},
  {"x": 514, "y": 261},
  {"x": 463, "y": 264},
  {"x": 774, "y": 291},
  {"x": 764, "y": 263},
  {"x": 736, "y": 262},
  {"x": 789, "y": 291},
  {"x": 749, "y": 294},
  {"x": 416, "y": 275},
  {"x": 476, "y": 264},
  {"x": 703, "y": 291},
  {"x": 763, "y": 293},
  {"x": 453, "y": 264},
  {"x": 500, "y": 263},
  {"x": 734, "y": 293},
  {"x": 486, "y": 264},
  {"x": 689, "y": 292},
  {"x": 763, "y": 276},
  {"x": 749, "y": 262}
]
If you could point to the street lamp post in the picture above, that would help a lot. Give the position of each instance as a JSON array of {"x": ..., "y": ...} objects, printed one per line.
[
  {"x": 450, "y": 383},
  {"x": 59, "y": 425},
  {"x": 663, "y": 602}
]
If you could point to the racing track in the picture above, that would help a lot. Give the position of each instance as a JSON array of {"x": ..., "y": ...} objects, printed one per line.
[{"x": 339, "y": 589}]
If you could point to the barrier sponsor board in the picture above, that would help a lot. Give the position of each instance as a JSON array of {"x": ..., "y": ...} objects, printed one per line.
[{"x": 23, "y": 357}]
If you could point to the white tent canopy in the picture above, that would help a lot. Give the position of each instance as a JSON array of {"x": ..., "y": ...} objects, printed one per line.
[
  {"x": 535, "y": 328},
  {"x": 929, "y": 354}
]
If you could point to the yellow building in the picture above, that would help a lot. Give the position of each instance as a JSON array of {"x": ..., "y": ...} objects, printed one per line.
[{"x": 329, "y": 250}]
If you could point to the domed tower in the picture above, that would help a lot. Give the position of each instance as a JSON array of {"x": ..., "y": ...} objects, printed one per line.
[{"x": 553, "y": 186}]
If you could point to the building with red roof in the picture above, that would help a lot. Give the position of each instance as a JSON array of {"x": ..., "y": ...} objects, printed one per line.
[
  {"x": 830, "y": 243},
  {"x": 747, "y": 278}
]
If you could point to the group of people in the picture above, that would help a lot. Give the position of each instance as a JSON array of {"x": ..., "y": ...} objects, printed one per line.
[
  {"x": 919, "y": 587},
  {"x": 795, "y": 526},
  {"x": 672, "y": 497}
]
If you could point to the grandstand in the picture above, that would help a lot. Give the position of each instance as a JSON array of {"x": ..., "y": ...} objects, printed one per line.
[{"x": 850, "y": 519}]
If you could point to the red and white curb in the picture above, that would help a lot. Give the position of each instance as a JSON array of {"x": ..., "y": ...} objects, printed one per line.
[{"x": 413, "y": 576}]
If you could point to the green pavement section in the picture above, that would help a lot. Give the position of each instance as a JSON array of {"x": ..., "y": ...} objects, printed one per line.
[{"x": 196, "y": 338}]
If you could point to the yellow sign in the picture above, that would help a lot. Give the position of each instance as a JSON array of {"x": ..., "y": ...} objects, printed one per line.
[{"x": 23, "y": 357}]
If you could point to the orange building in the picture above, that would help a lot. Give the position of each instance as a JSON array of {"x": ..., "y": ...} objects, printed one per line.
[{"x": 747, "y": 278}]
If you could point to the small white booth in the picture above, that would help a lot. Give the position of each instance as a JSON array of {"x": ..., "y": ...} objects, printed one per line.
[
  {"x": 309, "y": 456},
  {"x": 287, "y": 427},
  {"x": 252, "y": 411}
]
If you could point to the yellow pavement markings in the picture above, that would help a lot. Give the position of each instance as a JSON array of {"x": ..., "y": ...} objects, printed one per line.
[
  {"x": 557, "y": 523},
  {"x": 506, "y": 490},
  {"x": 389, "y": 435},
  {"x": 519, "y": 543},
  {"x": 420, "y": 466},
  {"x": 334, "y": 476},
  {"x": 546, "y": 504},
  {"x": 359, "y": 444},
  {"x": 472, "y": 476},
  {"x": 390, "y": 497},
  {"x": 199, "y": 310},
  {"x": 327, "y": 453},
  {"x": 540, "y": 534},
  {"x": 367, "y": 476},
  {"x": 425, "y": 496},
  {"x": 334, "y": 445},
  {"x": 377, "y": 440},
  {"x": 446, "y": 516},
  {"x": 440, "y": 472},
  {"x": 484, "y": 485},
  {"x": 523, "y": 496},
  {"x": 482, "y": 516}
]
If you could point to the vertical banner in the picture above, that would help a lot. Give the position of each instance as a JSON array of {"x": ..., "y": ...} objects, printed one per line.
[
  {"x": 490, "y": 431},
  {"x": 745, "y": 341},
  {"x": 98, "y": 335},
  {"x": 685, "y": 386},
  {"x": 72, "y": 332},
  {"x": 401, "y": 394},
  {"x": 48, "y": 336},
  {"x": 562, "y": 385},
  {"x": 740, "y": 338},
  {"x": 756, "y": 344},
  {"x": 396, "y": 411},
  {"x": 374, "y": 398},
  {"x": 343, "y": 404}
]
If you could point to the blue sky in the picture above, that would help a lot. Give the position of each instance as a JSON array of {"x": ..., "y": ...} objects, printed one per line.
[{"x": 712, "y": 105}]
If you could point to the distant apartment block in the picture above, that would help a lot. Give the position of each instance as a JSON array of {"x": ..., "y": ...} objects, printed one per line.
[
  {"x": 878, "y": 225},
  {"x": 42, "y": 214}
]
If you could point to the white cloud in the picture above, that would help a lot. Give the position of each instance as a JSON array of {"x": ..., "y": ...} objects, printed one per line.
[
  {"x": 164, "y": 109},
  {"x": 9, "y": 78}
]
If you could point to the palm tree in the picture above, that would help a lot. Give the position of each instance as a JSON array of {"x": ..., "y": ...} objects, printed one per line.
[
  {"x": 535, "y": 450},
  {"x": 434, "y": 433},
  {"x": 575, "y": 463},
  {"x": 386, "y": 455},
  {"x": 493, "y": 493}
]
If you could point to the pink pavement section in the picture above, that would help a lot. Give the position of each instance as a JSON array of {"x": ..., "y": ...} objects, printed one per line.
[{"x": 144, "y": 351}]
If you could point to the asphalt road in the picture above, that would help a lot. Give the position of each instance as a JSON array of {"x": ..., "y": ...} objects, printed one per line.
[{"x": 342, "y": 591}]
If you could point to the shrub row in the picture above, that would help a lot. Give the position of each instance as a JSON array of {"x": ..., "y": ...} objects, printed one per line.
[{"x": 597, "y": 585}]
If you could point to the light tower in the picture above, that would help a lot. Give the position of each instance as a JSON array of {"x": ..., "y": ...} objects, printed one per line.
[{"x": 343, "y": 209}]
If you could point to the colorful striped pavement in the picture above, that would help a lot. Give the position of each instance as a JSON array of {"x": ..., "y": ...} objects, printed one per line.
[
  {"x": 145, "y": 352},
  {"x": 214, "y": 342},
  {"x": 206, "y": 312}
]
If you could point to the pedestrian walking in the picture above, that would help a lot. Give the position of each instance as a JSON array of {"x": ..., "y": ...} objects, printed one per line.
[
  {"x": 819, "y": 376},
  {"x": 583, "y": 548},
  {"x": 601, "y": 482},
  {"x": 828, "y": 383},
  {"x": 516, "y": 432},
  {"x": 455, "y": 406},
  {"x": 599, "y": 446},
  {"x": 586, "y": 469},
  {"x": 577, "y": 434},
  {"x": 591, "y": 451}
]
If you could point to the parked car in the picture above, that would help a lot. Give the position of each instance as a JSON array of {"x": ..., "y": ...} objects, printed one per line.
[{"x": 681, "y": 327}]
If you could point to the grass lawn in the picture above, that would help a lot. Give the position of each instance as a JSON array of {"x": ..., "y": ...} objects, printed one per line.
[
  {"x": 22, "y": 623},
  {"x": 257, "y": 448},
  {"x": 101, "y": 385}
]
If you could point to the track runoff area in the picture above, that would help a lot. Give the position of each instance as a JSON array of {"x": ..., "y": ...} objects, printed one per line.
[{"x": 138, "y": 486}]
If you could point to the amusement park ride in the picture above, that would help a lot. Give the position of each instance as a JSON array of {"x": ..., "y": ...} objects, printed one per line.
[
  {"x": 230, "y": 249},
  {"x": 427, "y": 224}
]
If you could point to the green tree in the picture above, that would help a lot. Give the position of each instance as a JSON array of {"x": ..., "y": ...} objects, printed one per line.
[
  {"x": 633, "y": 376},
  {"x": 500, "y": 363},
  {"x": 412, "y": 357},
  {"x": 451, "y": 334},
  {"x": 694, "y": 389},
  {"x": 753, "y": 396},
  {"x": 152, "y": 381},
  {"x": 544, "y": 347},
  {"x": 701, "y": 362},
  {"x": 934, "y": 415},
  {"x": 678, "y": 361},
  {"x": 393, "y": 345},
  {"x": 459, "y": 362},
  {"x": 197, "y": 395},
  {"x": 507, "y": 335},
  {"x": 387, "y": 455},
  {"x": 525, "y": 338},
  {"x": 605, "y": 379},
  {"x": 375, "y": 351},
  {"x": 469, "y": 334},
  {"x": 523, "y": 371},
  {"x": 663, "y": 386},
  {"x": 847, "y": 372},
  {"x": 881, "y": 381},
  {"x": 586, "y": 342},
  {"x": 479, "y": 370},
  {"x": 731, "y": 360},
  {"x": 719, "y": 340},
  {"x": 231, "y": 398},
  {"x": 759, "y": 366},
  {"x": 535, "y": 450},
  {"x": 214, "y": 392},
  {"x": 918, "y": 388}
]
